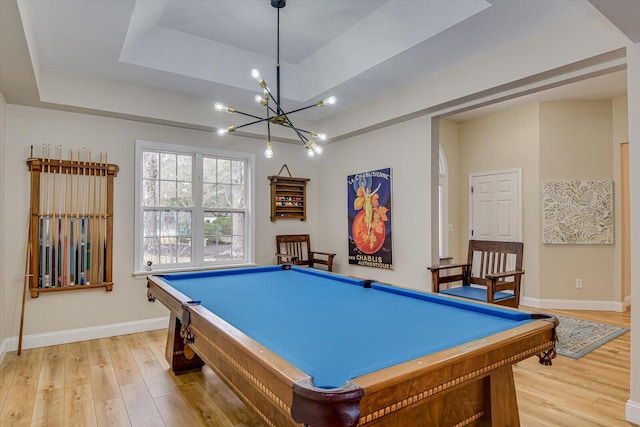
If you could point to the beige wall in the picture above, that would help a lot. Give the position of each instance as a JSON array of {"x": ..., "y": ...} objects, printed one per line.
[
  {"x": 505, "y": 140},
  {"x": 559, "y": 140},
  {"x": 127, "y": 302},
  {"x": 3, "y": 128},
  {"x": 575, "y": 143},
  {"x": 405, "y": 148}
]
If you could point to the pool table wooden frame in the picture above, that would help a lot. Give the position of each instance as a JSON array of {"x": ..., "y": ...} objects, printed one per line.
[{"x": 470, "y": 384}]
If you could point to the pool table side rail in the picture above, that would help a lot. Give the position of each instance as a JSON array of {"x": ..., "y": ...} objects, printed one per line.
[
  {"x": 455, "y": 301},
  {"x": 259, "y": 377},
  {"x": 418, "y": 381}
]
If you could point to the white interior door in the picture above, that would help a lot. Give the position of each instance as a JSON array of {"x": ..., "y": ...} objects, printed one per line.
[{"x": 495, "y": 206}]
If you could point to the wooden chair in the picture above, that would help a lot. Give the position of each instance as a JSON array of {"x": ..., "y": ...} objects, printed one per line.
[
  {"x": 296, "y": 249},
  {"x": 492, "y": 273}
]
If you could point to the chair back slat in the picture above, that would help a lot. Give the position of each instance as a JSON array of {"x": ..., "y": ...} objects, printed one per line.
[
  {"x": 489, "y": 257},
  {"x": 298, "y": 245}
]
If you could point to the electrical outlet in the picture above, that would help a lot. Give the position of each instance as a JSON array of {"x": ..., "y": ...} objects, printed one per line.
[{"x": 579, "y": 283}]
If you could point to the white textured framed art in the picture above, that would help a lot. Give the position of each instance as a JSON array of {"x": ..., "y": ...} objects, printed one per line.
[{"x": 577, "y": 212}]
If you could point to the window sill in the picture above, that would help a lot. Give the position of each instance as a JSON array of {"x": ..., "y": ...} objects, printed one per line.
[{"x": 145, "y": 273}]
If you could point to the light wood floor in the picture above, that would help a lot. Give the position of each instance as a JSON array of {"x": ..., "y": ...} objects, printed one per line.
[{"x": 125, "y": 380}]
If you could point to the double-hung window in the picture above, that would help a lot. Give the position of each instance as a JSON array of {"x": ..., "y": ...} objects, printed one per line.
[{"x": 193, "y": 207}]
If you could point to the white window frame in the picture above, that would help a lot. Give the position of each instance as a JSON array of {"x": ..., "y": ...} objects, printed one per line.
[{"x": 140, "y": 269}]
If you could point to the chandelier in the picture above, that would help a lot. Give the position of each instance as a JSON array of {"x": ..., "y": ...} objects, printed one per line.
[{"x": 275, "y": 114}]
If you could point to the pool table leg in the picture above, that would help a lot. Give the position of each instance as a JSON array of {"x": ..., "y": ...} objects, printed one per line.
[
  {"x": 503, "y": 404},
  {"x": 181, "y": 358}
]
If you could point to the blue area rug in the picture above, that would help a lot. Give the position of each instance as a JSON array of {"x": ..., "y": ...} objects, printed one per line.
[{"x": 578, "y": 337}]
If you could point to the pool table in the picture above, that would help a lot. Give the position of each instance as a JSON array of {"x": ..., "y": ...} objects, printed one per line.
[{"x": 304, "y": 346}]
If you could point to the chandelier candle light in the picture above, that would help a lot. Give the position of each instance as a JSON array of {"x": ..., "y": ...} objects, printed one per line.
[{"x": 276, "y": 114}]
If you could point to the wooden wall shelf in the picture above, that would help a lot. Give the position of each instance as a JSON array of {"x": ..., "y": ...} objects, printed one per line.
[
  {"x": 108, "y": 287},
  {"x": 288, "y": 197}
]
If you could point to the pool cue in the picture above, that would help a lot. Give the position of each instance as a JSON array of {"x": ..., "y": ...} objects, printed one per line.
[
  {"x": 104, "y": 219},
  {"x": 90, "y": 232},
  {"x": 78, "y": 208},
  {"x": 54, "y": 224},
  {"x": 87, "y": 230},
  {"x": 72, "y": 273},
  {"x": 99, "y": 258},
  {"x": 77, "y": 222},
  {"x": 94, "y": 227},
  {"x": 47, "y": 238},
  {"x": 83, "y": 231},
  {"x": 54, "y": 227},
  {"x": 40, "y": 250},
  {"x": 41, "y": 224},
  {"x": 67, "y": 208},
  {"x": 90, "y": 236},
  {"x": 27, "y": 275},
  {"x": 56, "y": 230},
  {"x": 87, "y": 219},
  {"x": 94, "y": 224},
  {"x": 98, "y": 245},
  {"x": 59, "y": 257}
]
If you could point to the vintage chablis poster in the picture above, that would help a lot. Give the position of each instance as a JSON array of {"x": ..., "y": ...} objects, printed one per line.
[{"x": 369, "y": 210}]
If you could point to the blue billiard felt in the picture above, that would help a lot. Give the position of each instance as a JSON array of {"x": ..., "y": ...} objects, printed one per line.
[{"x": 332, "y": 327}]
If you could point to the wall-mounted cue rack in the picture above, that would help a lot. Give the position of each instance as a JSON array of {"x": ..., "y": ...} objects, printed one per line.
[{"x": 71, "y": 221}]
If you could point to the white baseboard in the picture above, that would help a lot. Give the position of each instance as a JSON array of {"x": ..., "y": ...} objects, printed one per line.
[
  {"x": 82, "y": 334},
  {"x": 3, "y": 349},
  {"x": 576, "y": 304},
  {"x": 633, "y": 412}
]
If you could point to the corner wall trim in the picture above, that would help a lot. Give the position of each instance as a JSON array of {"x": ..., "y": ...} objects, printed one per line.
[
  {"x": 633, "y": 412},
  {"x": 574, "y": 304},
  {"x": 82, "y": 334}
]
